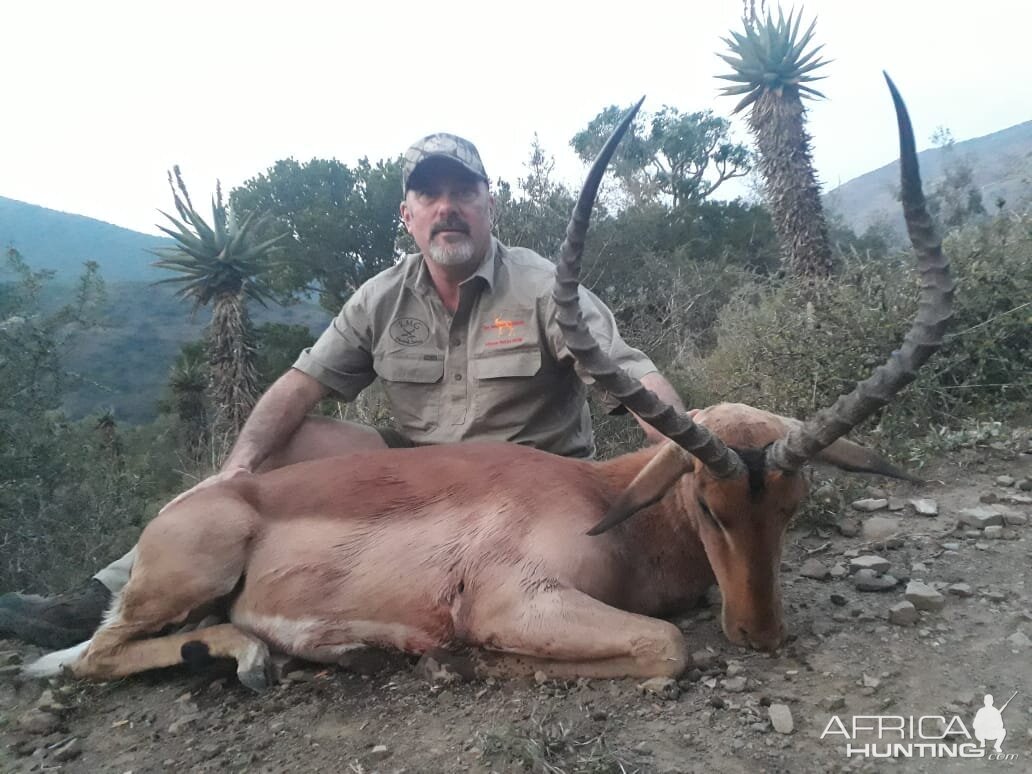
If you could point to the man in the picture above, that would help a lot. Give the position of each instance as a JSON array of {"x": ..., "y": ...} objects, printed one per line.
[{"x": 463, "y": 337}]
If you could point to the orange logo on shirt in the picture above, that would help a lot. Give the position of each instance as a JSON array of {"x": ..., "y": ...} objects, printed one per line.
[
  {"x": 506, "y": 331},
  {"x": 504, "y": 326}
]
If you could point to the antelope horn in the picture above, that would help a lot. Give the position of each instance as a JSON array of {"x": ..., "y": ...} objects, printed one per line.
[
  {"x": 678, "y": 427},
  {"x": 925, "y": 336}
]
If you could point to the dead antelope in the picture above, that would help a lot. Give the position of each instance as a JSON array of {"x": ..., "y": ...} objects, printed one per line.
[{"x": 526, "y": 558}]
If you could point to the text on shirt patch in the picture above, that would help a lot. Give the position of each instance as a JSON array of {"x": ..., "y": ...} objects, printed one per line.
[
  {"x": 505, "y": 330},
  {"x": 408, "y": 331}
]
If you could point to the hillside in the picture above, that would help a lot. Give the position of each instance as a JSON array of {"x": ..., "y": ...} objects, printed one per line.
[
  {"x": 1001, "y": 163},
  {"x": 61, "y": 241}
]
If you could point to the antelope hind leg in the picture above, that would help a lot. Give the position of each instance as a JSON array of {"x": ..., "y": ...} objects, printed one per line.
[{"x": 567, "y": 634}]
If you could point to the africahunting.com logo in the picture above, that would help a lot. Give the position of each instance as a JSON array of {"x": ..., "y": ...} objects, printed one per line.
[{"x": 924, "y": 736}]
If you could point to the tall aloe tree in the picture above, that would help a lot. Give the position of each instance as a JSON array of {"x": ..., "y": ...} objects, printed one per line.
[
  {"x": 773, "y": 66},
  {"x": 220, "y": 264}
]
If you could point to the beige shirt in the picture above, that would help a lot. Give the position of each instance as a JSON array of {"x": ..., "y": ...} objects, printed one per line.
[{"x": 499, "y": 369}]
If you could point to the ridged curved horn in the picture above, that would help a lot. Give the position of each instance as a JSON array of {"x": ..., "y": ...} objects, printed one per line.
[
  {"x": 925, "y": 336},
  {"x": 678, "y": 427}
]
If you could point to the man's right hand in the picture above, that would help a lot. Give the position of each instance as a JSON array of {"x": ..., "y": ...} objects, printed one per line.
[{"x": 223, "y": 475}]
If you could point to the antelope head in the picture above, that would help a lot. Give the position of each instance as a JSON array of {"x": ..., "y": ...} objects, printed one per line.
[{"x": 733, "y": 472}]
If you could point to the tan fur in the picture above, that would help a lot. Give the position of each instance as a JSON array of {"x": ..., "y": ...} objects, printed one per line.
[{"x": 480, "y": 545}]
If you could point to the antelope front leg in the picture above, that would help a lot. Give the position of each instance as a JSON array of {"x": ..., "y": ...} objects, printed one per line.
[{"x": 566, "y": 634}]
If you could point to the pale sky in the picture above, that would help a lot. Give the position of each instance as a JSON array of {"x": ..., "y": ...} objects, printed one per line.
[{"x": 100, "y": 98}]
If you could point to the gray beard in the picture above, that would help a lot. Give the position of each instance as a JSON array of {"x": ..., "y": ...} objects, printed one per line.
[{"x": 453, "y": 254}]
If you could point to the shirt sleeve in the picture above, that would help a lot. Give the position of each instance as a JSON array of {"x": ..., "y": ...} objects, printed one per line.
[
  {"x": 341, "y": 359},
  {"x": 602, "y": 324}
]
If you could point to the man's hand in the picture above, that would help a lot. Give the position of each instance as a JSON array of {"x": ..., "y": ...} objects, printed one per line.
[{"x": 222, "y": 475}]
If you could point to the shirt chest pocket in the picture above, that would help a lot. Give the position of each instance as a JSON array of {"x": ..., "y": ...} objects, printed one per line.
[{"x": 413, "y": 387}]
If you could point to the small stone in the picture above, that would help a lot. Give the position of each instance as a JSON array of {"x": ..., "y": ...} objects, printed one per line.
[
  {"x": 871, "y": 504},
  {"x": 48, "y": 703},
  {"x": 36, "y": 721},
  {"x": 867, "y": 580},
  {"x": 437, "y": 670},
  {"x": 959, "y": 590},
  {"x": 814, "y": 568},
  {"x": 924, "y": 597},
  {"x": 982, "y": 546},
  {"x": 870, "y": 681},
  {"x": 178, "y": 725},
  {"x": 981, "y": 517},
  {"x": 838, "y": 570},
  {"x": 924, "y": 506},
  {"x": 849, "y": 527},
  {"x": 838, "y": 600},
  {"x": 879, "y": 528},
  {"x": 951, "y": 546},
  {"x": 897, "y": 503},
  {"x": 1025, "y": 485},
  {"x": 996, "y": 596},
  {"x": 903, "y": 614},
  {"x": 781, "y": 718},
  {"x": 664, "y": 687},
  {"x": 8, "y": 657},
  {"x": 993, "y": 533},
  {"x": 734, "y": 684},
  {"x": 834, "y": 702},
  {"x": 704, "y": 659},
  {"x": 1019, "y": 640},
  {"x": 1005, "y": 481},
  {"x": 989, "y": 498},
  {"x": 379, "y": 752},
  {"x": 1016, "y": 499},
  {"x": 1015, "y": 519},
  {"x": 876, "y": 564},
  {"x": 68, "y": 751},
  {"x": 918, "y": 568},
  {"x": 540, "y": 677}
]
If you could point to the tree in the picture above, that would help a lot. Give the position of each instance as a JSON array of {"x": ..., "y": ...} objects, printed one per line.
[
  {"x": 773, "y": 67},
  {"x": 341, "y": 223},
  {"x": 669, "y": 156},
  {"x": 221, "y": 264},
  {"x": 954, "y": 199}
]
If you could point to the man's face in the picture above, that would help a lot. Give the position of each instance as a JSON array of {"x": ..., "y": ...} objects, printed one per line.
[{"x": 448, "y": 213}]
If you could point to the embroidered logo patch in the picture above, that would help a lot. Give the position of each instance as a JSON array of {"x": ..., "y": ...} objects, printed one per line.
[
  {"x": 504, "y": 331},
  {"x": 408, "y": 331}
]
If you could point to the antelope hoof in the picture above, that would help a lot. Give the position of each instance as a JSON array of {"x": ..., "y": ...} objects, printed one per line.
[{"x": 255, "y": 668}]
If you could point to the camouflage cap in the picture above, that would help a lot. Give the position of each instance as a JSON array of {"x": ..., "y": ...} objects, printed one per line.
[{"x": 442, "y": 146}]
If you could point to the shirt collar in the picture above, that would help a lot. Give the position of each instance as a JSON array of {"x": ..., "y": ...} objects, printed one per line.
[{"x": 420, "y": 278}]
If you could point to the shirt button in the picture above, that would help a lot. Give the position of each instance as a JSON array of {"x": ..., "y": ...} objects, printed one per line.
[{"x": 458, "y": 377}]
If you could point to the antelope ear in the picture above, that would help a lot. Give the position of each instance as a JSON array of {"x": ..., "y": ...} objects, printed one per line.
[
  {"x": 652, "y": 482},
  {"x": 847, "y": 455}
]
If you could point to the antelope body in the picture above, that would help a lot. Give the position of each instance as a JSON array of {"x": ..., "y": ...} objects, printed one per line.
[{"x": 528, "y": 558}]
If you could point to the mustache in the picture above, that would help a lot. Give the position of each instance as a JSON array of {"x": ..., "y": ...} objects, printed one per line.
[{"x": 451, "y": 224}]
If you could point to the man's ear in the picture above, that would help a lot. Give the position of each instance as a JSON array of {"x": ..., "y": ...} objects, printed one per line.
[
  {"x": 492, "y": 208},
  {"x": 406, "y": 215}
]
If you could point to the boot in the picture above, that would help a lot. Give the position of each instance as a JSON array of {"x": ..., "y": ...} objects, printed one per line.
[{"x": 55, "y": 622}]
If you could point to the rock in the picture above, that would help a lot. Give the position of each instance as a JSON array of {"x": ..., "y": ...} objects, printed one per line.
[
  {"x": 1015, "y": 519},
  {"x": 540, "y": 677},
  {"x": 924, "y": 597},
  {"x": 989, "y": 498},
  {"x": 897, "y": 503},
  {"x": 879, "y": 528},
  {"x": 440, "y": 670},
  {"x": 871, "y": 504},
  {"x": 918, "y": 568},
  {"x": 981, "y": 517},
  {"x": 1019, "y": 640},
  {"x": 876, "y": 564},
  {"x": 993, "y": 533},
  {"x": 177, "y": 726},
  {"x": 379, "y": 752},
  {"x": 925, "y": 507},
  {"x": 869, "y": 681},
  {"x": 704, "y": 659},
  {"x": 1005, "y": 481},
  {"x": 661, "y": 686},
  {"x": 838, "y": 570},
  {"x": 838, "y": 600},
  {"x": 951, "y": 546},
  {"x": 734, "y": 684},
  {"x": 903, "y": 614},
  {"x": 781, "y": 718},
  {"x": 1025, "y": 485},
  {"x": 849, "y": 527},
  {"x": 8, "y": 657},
  {"x": 48, "y": 703},
  {"x": 1016, "y": 499},
  {"x": 868, "y": 580},
  {"x": 814, "y": 568},
  {"x": 36, "y": 721},
  {"x": 834, "y": 702},
  {"x": 68, "y": 752},
  {"x": 959, "y": 590}
]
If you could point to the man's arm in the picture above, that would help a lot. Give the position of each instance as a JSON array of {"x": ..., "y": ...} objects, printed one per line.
[{"x": 272, "y": 422}]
